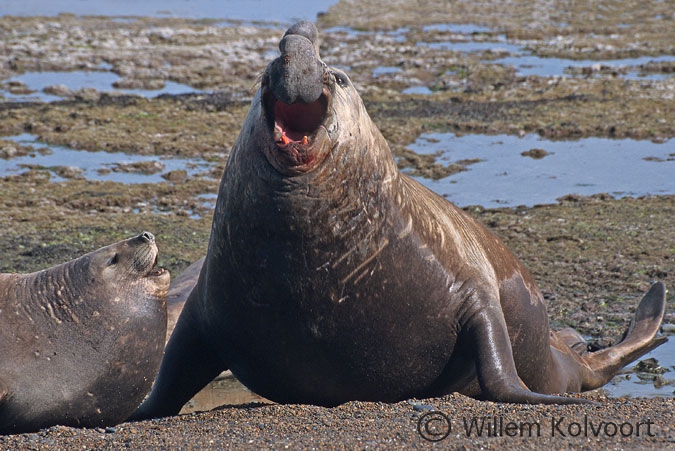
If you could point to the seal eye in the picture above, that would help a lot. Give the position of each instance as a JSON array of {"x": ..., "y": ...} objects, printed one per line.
[
  {"x": 340, "y": 78},
  {"x": 113, "y": 260}
]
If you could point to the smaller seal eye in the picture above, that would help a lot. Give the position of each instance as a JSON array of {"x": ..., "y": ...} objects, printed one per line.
[
  {"x": 113, "y": 260},
  {"x": 340, "y": 79}
]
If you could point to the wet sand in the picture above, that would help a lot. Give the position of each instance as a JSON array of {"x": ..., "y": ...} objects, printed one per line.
[{"x": 613, "y": 424}]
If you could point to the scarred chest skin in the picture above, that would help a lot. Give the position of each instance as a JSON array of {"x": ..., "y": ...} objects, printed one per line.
[{"x": 325, "y": 275}]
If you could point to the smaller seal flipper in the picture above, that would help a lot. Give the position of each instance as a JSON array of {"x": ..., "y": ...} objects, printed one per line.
[
  {"x": 3, "y": 392},
  {"x": 179, "y": 291}
]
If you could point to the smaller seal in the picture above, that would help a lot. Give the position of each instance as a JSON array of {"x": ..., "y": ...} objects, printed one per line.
[
  {"x": 81, "y": 342},
  {"x": 179, "y": 290}
]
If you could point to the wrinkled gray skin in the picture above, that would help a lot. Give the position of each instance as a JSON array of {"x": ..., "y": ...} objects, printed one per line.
[
  {"x": 80, "y": 343},
  {"x": 332, "y": 277}
]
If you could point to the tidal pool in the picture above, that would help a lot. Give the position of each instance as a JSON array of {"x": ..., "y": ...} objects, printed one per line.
[
  {"x": 111, "y": 166},
  {"x": 527, "y": 63},
  {"x": 628, "y": 68},
  {"x": 633, "y": 384},
  {"x": 252, "y": 10},
  {"x": 503, "y": 177},
  {"x": 101, "y": 81}
]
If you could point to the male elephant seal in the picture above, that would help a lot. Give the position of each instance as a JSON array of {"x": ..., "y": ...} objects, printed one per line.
[
  {"x": 332, "y": 277},
  {"x": 80, "y": 343}
]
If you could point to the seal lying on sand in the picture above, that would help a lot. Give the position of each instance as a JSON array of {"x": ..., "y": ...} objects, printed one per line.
[
  {"x": 332, "y": 277},
  {"x": 80, "y": 343}
]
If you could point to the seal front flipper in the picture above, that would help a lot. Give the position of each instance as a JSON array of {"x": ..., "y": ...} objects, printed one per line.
[
  {"x": 495, "y": 366},
  {"x": 639, "y": 339},
  {"x": 189, "y": 364}
]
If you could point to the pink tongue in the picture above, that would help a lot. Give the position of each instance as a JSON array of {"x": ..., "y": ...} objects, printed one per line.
[{"x": 299, "y": 119}]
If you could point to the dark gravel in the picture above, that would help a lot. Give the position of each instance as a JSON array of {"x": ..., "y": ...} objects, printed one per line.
[{"x": 613, "y": 424}]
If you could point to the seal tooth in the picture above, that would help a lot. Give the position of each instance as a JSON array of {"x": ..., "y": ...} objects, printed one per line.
[{"x": 278, "y": 132}]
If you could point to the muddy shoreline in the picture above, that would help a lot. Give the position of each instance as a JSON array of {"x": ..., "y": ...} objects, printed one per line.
[{"x": 592, "y": 256}]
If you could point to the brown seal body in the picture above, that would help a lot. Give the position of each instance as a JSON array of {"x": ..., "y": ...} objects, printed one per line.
[
  {"x": 179, "y": 290},
  {"x": 80, "y": 343},
  {"x": 332, "y": 277}
]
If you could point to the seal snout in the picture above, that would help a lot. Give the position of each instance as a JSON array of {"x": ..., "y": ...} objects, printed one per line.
[
  {"x": 147, "y": 236},
  {"x": 145, "y": 256},
  {"x": 295, "y": 97}
]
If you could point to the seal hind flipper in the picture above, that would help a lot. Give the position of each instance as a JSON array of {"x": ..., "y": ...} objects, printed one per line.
[
  {"x": 648, "y": 316},
  {"x": 639, "y": 339},
  {"x": 495, "y": 365}
]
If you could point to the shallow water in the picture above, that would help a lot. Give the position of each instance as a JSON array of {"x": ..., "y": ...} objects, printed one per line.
[
  {"x": 630, "y": 385},
  {"x": 232, "y": 10},
  {"x": 526, "y": 63},
  {"x": 101, "y": 81},
  {"x": 501, "y": 51},
  {"x": 503, "y": 177},
  {"x": 248, "y": 10},
  {"x": 557, "y": 67},
  {"x": 103, "y": 166}
]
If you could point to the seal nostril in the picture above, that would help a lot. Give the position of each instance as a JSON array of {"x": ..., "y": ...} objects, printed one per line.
[
  {"x": 296, "y": 76},
  {"x": 147, "y": 236}
]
